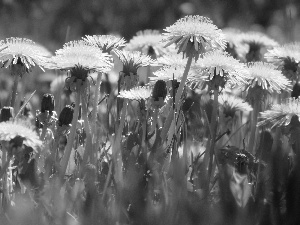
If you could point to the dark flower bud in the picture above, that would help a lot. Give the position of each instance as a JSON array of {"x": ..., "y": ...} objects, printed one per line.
[
  {"x": 66, "y": 116},
  {"x": 48, "y": 103},
  {"x": 7, "y": 112},
  {"x": 296, "y": 91},
  {"x": 159, "y": 90}
]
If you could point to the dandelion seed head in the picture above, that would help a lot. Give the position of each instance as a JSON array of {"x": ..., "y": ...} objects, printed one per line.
[
  {"x": 81, "y": 54},
  {"x": 21, "y": 50},
  {"x": 11, "y": 129},
  {"x": 267, "y": 77},
  {"x": 105, "y": 42},
  {"x": 198, "y": 30},
  {"x": 136, "y": 93}
]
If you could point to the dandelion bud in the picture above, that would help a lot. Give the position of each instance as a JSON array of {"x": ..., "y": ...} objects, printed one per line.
[
  {"x": 159, "y": 90},
  {"x": 6, "y": 113},
  {"x": 66, "y": 116},
  {"x": 48, "y": 103}
]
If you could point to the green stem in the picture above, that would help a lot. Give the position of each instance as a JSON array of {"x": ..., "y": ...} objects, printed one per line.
[
  {"x": 88, "y": 147},
  {"x": 275, "y": 165},
  {"x": 14, "y": 91},
  {"x": 251, "y": 144},
  {"x": 182, "y": 83},
  {"x": 94, "y": 116},
  {"x": 65, "y": 159},
  {"x": 214, "y": 125},
  {"x": 116, "y": 148}
]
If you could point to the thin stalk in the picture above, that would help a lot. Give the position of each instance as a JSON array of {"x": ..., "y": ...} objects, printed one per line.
[
  {"x": 275, "y": 165},
  {"x": 88, "y": 147},
  {"x": 94, "y": 114},
  {"x": 251, "y": 143},
  {"x": 155, "y": 115},
  {"x": 182, "y": 83},
  {"x": 213, "y": 126},
  {"x": 116, "y": 148},
  {"x": 66, "y": 156},
  {"x": 14, "y": 91}
]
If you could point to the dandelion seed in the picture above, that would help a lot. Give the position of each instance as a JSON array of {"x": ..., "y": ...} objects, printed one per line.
[
  {"x": 218, "y": 67},
  {"x": 18, "y": 128},
  {"x": 266, "y": 76},
  {"x": 22, "y": 51},
  {"x": 280, "y": 114},
  {"x": 137, "y": 93},
  {"x": 105, "y": 42},
  {"x": 194, "y": 35}
]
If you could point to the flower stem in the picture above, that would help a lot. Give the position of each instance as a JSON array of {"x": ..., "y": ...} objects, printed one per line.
[
  {"x": 213, "y": 126},
  {"x": 251, "y": 143},
  {"x": 94, "y": 115},
  {"x": 116, "y": 148},
  {"x": 14, "y": 91},
  {"x": 88, "y": 147},
  {"x": 182, "y": 83},
  {"x": 65, "y": 159}
]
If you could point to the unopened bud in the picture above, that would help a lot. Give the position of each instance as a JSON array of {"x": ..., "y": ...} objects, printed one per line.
[
  {"x": 159, "y": 90},
  {"x": 66, "y": 116},
  {"x": 7, "y": 112},
  {"x": 48, "y": 103}
]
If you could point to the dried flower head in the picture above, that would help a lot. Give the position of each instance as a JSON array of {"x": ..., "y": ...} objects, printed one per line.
[
  {"x": 148, "y": 42},
  {"x": 218, "y": 68},
  {"x": 105, "y": 42},
  {"x": 11, "y": 129},
  {"x": 280, "y": 114},
  {"x": 137, "y": 93},
  {"x": 287, "y": 58},
  {"x": 75, "y": 54},
  {"x": 267, "y": 77},
  {"x": 133, "y": 60},
  {"x": 22, "y": 51},
  {"x": 232, "y": 104},
  {"x": 193, "y": 35}
]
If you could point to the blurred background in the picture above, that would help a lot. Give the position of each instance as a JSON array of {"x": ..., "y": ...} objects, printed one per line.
[{"x": 52, "y": 23}]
